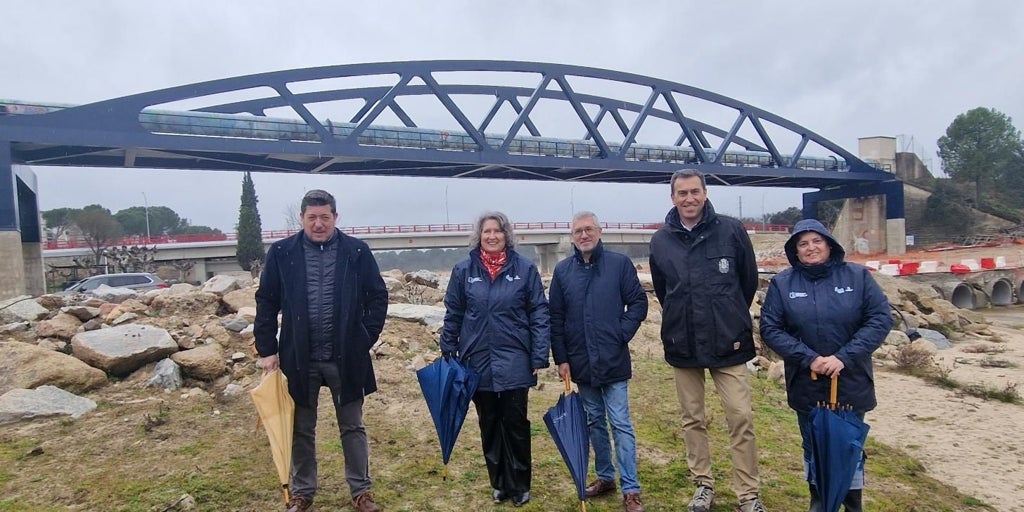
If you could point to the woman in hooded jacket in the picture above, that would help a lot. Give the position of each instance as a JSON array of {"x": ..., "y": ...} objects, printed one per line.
[{"x": 825, "y": 316}]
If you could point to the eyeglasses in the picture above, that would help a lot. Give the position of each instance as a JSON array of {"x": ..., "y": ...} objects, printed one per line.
[{"x": 589, "y": 230}]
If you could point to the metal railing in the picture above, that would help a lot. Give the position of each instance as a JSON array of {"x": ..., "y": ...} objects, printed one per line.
[{"x": 142, "y": 240}]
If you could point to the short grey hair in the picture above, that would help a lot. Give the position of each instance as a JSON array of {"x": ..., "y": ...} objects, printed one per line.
[
  {"x": 503, "y": 224},
  {"x": 585, "y": 215},
  {"x": 687, "y": 173}
]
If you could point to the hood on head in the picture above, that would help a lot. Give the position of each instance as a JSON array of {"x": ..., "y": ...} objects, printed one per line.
[{"x": 836, "y": 251}]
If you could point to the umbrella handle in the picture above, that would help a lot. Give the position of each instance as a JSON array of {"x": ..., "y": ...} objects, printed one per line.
[{"x": 833, "y": 392}]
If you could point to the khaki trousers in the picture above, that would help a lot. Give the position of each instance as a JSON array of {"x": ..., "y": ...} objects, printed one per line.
[{"x": 733, "y": 386}]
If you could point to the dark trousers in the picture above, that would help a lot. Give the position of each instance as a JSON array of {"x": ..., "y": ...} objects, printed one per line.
[
  {"x": 505, "y": 436},
  {"x": 354, "y": 443}
]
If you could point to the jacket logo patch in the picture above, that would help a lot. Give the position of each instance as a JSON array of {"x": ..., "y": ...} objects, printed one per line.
[
  {"x": 736, "y": 345},
  {"x": 510, "y": 278},
  {"x": 723, "y": 266},
  {"x": 797, "y": 295},
  {"x": 839, "y": 289},
  {"x": 472, "y": 280}
]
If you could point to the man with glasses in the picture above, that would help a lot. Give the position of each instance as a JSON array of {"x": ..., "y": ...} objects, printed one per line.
[
  {"x": 596, "y": 305},
  {"x": 333, "y": 303},
  {"x": 705, "y": 277}
]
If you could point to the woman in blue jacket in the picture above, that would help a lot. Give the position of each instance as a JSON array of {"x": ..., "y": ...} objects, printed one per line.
[
  {"x": 826, "y": 316},
  {"x": 497, "y": 323}
]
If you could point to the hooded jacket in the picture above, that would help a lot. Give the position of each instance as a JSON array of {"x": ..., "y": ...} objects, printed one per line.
[
  {"x": 361, "y": 305},
  {"x": 834, "y": 308},
  {"x": 596, "y": 308},
  {"x": 705, "y": 280},
  {"x": 501, "y": 329}
]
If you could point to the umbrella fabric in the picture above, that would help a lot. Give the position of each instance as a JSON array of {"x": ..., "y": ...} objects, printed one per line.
[
  {"x": 567, "y": 422},
  {"x": 447, "y": 388},
  {"x": 837, "y": 447},
  {"x": 277, "y": 412}
]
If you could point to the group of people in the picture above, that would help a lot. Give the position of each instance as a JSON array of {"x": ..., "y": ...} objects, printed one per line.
[{"x": 823, "y": 315}]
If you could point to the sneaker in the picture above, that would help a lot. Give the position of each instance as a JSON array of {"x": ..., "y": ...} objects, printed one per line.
[
  {"x": 299, "y": 504},
  {"x": 631, "y": 502},
  {"x": 753, "y": 505},
  {"x": 599, "y": 487},
  {"x": 498, "y": 496},
  {"x": 364, "y": 503},
  {"x": 702, "y": 500}
]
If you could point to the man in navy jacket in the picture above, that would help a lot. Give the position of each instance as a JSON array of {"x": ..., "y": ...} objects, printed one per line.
[
  {"x": 597, "y": 305},
  {"x": 333, "y": 303},
  {"x": 705, "y": 277}
]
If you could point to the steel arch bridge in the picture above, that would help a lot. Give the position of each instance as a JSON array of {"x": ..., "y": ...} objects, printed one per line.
[{"x": 463, "y": 119}]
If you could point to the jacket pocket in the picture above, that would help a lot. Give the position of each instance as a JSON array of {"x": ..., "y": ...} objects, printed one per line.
[
  {"x": 733, "y": 328},
  {"x": 674, "y": 334}
]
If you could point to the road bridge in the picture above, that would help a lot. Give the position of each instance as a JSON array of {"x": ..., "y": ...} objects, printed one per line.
[{"x": 462, "y": 119}]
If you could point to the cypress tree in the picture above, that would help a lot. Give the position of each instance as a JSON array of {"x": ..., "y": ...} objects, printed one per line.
[{"x": 250, "y": 230}]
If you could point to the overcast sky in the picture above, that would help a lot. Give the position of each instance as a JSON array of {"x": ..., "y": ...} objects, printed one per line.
[{"x": 843, "y": 69}]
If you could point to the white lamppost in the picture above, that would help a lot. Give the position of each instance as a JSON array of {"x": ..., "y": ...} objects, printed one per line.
[
  {"x": 572, "y": 201},
  {"x": 447, "y": 218},
  {"x": 146, "y": 202}
]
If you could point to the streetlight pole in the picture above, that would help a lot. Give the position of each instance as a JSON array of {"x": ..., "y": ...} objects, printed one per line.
[
  {"x": 447, "y": 218},
  {"x": 572, "y": 201},
  {"x": 146, "y": 202},
  {"x": 764, "y": 217}
]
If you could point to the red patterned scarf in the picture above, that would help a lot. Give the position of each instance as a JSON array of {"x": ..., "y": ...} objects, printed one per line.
[{"x": 493, "y": 262}]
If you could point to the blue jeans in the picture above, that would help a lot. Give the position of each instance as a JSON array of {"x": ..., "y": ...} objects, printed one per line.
[
  {"x": 609, "y": 404},
  {"x": 804, "y": 420}
]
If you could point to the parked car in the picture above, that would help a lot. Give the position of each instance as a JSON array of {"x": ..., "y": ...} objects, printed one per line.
[{"x": 141, "y": 281}]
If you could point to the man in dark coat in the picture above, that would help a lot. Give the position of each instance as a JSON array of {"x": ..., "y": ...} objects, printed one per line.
[
  {"x": 333, "y": 303},
  {"x": 597, "y": 305},
  {"x": 705, "y": 277}
]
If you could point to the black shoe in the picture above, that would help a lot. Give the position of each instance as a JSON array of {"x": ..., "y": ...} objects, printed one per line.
[
  {"x": 521, "y": 499},
  {"x": 498, "y": 496}
]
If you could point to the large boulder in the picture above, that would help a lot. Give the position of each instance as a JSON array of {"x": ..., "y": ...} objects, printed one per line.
[
  {"x": 123, "y": 349},
  {"x": 28, "y": 366},
  {"x": 62, "y": 326},
  {"x": 21, "y": 309},
  {"x": 194, "y": 304},
  {"x": 113, "y": 294},
  {"x": 26, "y": 404},
  {"x": 204, "y": 362},
  {"x": 221, "y": 284},
  {"x": 423, "y": 278},
  {"x": 238, "y": 299},
  {"x": 431, "y": 316}
]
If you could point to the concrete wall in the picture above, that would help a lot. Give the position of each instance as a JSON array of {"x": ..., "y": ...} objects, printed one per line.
[
  {"x": 12, "y": 265},
  {"x": 880, "y": 149},
  {"x": 862, "y": 228},
  {"x": 35, "y": 280}
]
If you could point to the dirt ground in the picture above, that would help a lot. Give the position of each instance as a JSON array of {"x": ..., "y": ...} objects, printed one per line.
[{"x": 970, "y": 443}]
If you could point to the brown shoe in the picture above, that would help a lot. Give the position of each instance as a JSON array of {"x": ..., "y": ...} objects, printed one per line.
[
  {"x": 631, "y": 502},
  {"x": 364, "y": 503},
  {"x": 599, "y": 487},
  {"x": 299, "y": 504}
]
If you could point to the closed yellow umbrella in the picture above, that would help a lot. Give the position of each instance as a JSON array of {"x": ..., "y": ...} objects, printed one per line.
[{"x": 277, "y": 412}]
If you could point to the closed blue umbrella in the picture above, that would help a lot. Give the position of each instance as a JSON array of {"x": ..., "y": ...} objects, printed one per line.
[
  {"x": 838, "y": 436},
  {"x": 447, "y": 388},
  {"x": 567, "y": 422}
]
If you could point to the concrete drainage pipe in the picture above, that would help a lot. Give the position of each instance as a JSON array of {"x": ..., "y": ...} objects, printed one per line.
[
  {"x": 962, "y": 296},
  {"x": 1001, "y": 292}
]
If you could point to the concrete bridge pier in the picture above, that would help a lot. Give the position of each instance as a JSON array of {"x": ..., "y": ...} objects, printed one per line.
[
  {"x": 551, "y": 254},
  {"x": 21, "y": 250}
]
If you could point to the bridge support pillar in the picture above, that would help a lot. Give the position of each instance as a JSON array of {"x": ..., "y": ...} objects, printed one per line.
[
  {"x": 872, "y": 220},
  {"x": 21, "y": 251},
  {"x": 551, "y": 254}
]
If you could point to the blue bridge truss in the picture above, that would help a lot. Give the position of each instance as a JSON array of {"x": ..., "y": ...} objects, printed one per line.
[{"x": 472, "y": 119}]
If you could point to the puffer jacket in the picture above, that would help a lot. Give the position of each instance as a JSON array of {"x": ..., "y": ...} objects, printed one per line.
[
  {"x": 705, "y": 280},
  {"x": 835, "y": 308},
  {"x": 596, "y": 308},
  {"x": 501, "y": 329}
]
